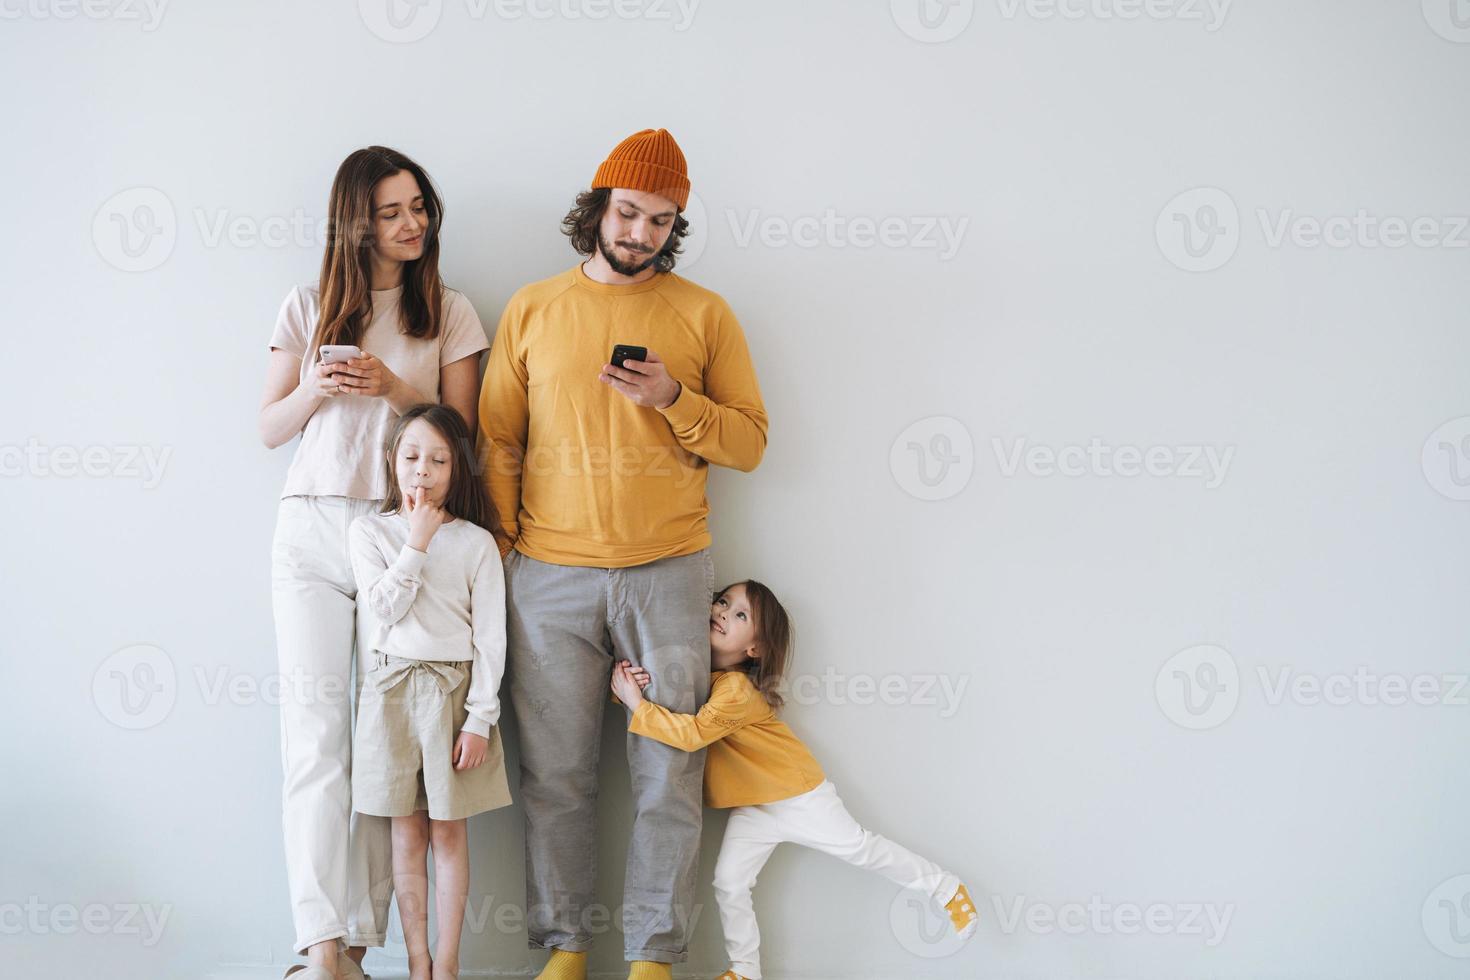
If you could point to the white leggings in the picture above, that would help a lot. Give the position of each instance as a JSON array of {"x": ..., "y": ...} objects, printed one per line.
[
  {"x": 339, "y": 864},
  {"x": 815, "y": 819}
]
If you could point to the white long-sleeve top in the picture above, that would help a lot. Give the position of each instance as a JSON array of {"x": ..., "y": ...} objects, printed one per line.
[{"x": 444, "y": 605}]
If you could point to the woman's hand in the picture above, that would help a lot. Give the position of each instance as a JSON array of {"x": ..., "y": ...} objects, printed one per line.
[
  {"x": 424, "y": 518},
  {"x": 326, "y": 380},
  {"x": 367, "y": 376},
  {"x": 628, "y": 683},
  {"x": 469, "y": 750}
]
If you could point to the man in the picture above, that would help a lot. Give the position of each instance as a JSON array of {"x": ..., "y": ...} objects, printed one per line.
[{"x": 598, "y": 474}]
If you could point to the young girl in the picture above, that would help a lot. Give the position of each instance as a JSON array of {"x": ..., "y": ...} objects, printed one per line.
[
  {"x": 759, "y": 768},
  {"x": 431, "y": 600}
]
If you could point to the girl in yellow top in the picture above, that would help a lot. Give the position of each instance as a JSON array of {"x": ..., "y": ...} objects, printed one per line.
[{"x": 758, "y": 767}]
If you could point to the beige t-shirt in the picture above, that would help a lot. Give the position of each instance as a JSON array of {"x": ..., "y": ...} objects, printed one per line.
[{"x": 343, "y": 442}]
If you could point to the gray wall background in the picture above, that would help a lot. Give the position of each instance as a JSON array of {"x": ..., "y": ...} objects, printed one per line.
[{"x": 1204, "y": 720}]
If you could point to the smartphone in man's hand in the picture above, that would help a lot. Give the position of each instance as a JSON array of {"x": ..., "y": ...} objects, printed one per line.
[{"x": 627, "y": 352}]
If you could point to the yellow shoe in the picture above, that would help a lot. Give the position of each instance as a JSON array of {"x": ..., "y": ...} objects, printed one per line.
[
  {"x": 564, "y": 965},
  {"x": 648, "y": 970},
  {"x": 962, "y": 914},
  {"x": 729, "y": 975}
]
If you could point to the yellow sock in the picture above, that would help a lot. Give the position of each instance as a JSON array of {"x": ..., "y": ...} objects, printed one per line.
[
  {"x": 564, "y": 965},
  {"x": 962, "y": 912},
  {"x": 647, "y": 970}
]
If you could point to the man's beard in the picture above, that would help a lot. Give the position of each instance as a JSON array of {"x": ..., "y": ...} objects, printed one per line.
[{"x": 618, "y": 265}]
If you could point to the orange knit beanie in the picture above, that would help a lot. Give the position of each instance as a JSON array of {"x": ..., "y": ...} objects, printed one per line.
[{"x": 649, "y": 160}]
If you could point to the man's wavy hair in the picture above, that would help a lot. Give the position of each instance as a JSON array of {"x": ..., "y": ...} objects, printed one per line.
[{"x": 585, "y": 218}]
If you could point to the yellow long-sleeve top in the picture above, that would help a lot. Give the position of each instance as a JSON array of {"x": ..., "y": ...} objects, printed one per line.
[
  {"x": 579, "y": 473},
  {"x": 753, "y": 756}
]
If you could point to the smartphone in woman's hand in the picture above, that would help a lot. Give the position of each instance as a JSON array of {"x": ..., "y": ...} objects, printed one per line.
[{"x": 339, "y": 353}]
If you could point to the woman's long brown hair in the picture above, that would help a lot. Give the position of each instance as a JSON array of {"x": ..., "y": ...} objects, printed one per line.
[
  {"x": 772, "y": 638},
  {"x": 346, "y": 277},
  {"x": 466, "y": 497}
]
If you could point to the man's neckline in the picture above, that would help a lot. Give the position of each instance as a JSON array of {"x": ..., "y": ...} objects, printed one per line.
[{"x": 580, "y": 277}]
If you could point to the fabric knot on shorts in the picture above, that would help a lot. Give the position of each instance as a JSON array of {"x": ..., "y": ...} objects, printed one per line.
[{"x": 389, "y": 672}]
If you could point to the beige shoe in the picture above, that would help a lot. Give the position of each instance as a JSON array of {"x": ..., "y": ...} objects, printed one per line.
[
  {"x": 299, "y": 972},
  {"x": 349, "y": 969}
]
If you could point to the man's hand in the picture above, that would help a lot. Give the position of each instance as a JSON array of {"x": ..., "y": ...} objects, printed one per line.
[
  {"x": 469, "y": 750},
  {"x": 628, "y": 683},
  {"x": 645, "y": 383}
]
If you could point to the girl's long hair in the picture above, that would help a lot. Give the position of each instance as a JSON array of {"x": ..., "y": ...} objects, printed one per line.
[
  {"x": 346, "y": 276},
  {"x": 773, "y": 637},
  {"x": 467, "y": 497}
]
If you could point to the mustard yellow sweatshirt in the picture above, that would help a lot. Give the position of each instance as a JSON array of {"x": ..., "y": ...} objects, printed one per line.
[
  {"x": 580, "y": 474},
  {"x": 753, "y": 756}
]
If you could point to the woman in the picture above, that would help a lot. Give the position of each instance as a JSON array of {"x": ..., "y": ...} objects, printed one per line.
[{"x": 418, "y": 341}]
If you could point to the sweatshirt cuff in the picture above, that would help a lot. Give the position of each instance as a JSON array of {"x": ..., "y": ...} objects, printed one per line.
[
  {"x": 409, "y": 562},
  {"x": 477, "y": 726},
  {"x": 684, "y": 410}
]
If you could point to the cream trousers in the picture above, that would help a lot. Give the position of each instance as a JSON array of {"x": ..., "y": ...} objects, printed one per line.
[
  {"x": 339, "y": 865},
  {"x": 815, "y": 819}
]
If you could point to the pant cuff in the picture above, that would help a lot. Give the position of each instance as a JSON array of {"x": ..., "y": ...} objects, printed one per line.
[
  {"x": 656, "y": 955},
  {"x": 748, "y": 970},
  {"x": 949, "y": 887},
  {"x": 376, "y": 939},
  {"x": 336, "y": 932},
  {"x": 571, "y": 945}
]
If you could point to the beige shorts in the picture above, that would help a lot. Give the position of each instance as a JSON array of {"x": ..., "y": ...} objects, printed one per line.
[{"x": 408, "y": 717}]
